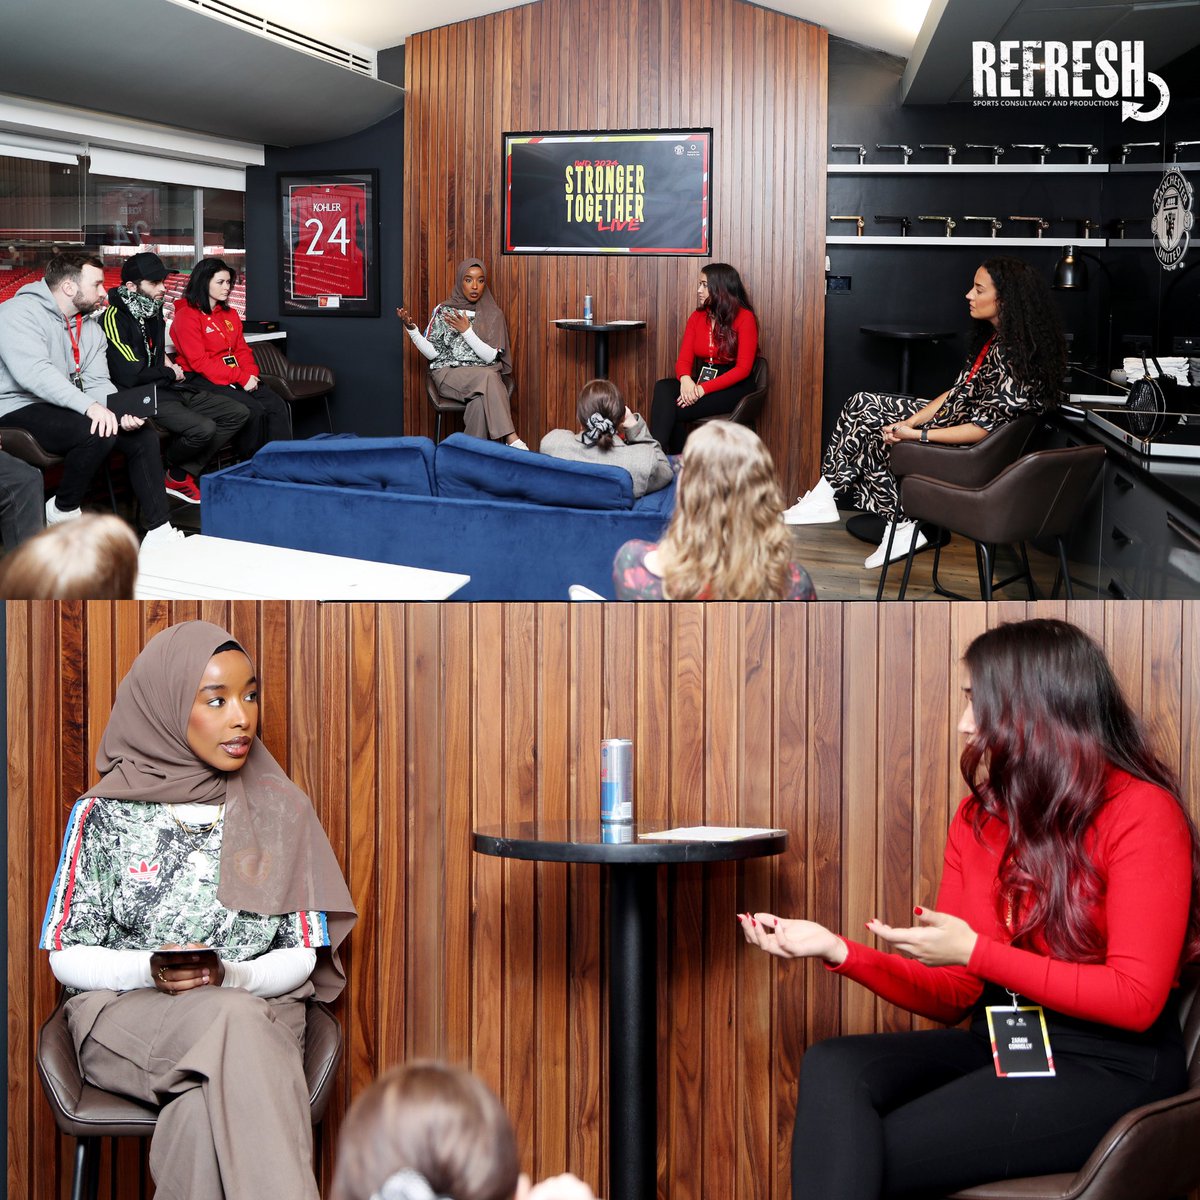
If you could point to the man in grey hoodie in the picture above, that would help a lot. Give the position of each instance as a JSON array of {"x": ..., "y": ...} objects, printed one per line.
[{"x": 54, "y": 382}]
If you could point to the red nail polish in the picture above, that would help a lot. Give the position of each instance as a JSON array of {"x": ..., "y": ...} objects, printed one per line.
[
  {"x": 918, "y": 910},
  {"x": 776, "y": 922},
  {"x": 754, "y": 922}
]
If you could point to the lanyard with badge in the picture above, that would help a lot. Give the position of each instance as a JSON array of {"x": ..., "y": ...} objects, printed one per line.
[
  {"x": 1018, "y": 1033},
  {"x": 1020, "y": 1039},
  {"x": 73, "y": 334}
]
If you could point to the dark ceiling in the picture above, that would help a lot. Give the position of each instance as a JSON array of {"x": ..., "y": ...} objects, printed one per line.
[{"x": 162, "y": 62}]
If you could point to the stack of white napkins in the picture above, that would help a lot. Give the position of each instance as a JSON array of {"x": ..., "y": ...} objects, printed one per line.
[{"x": 1173, "y": 368}]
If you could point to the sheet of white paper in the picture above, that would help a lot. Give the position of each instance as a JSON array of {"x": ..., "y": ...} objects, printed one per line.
[{"x": 707, "y": 833}]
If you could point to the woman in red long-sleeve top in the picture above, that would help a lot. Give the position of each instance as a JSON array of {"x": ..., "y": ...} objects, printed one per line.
[
  {"x": 1069, "y": 883},
  {"x": 211, "y": 348},
  {"x": 712, "y": 372}
]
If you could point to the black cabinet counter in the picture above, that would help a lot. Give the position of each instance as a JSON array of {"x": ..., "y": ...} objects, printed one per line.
[{"x": 1140, "y": 531}]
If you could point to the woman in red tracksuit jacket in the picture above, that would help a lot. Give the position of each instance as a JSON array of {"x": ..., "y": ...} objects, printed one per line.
[
  {"x": 211, "y": 348},
  {"x": 1068, "y": 895}
]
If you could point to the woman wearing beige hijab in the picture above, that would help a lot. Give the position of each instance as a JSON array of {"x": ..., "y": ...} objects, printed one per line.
[
  {"x": 196, "y": 907},
  {"x": 469, "y": 353}
]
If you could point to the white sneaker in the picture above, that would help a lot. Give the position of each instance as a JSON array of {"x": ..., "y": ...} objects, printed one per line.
[
  {"x": 56, "y": 516},
  {"x": 816, "y": 507},
  {"x": 164, "y": 535},
  {"x": 905, "y": 532},
  {"x": 517, "y": 444}
]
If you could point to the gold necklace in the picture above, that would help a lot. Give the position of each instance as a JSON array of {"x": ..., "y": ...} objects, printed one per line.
[
  {"x": 195, "y": 830},
  {"x": 200, "y": 858}
]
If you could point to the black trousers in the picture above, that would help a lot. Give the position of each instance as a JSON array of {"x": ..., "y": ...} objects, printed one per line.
[
  {"x": 200, "y": 423},
  {"x": 915, "y": 1114},
  {"x": 670, "y": 423},
  {"x": 68, "y": 433},
  {"x": 21, "y": 501},
  {"x": 270, "y": 418}
]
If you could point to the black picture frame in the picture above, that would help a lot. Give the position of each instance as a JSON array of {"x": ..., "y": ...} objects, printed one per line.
[
  {"x": 328, "y": 243},
  {"x": 611, "y": 231}
]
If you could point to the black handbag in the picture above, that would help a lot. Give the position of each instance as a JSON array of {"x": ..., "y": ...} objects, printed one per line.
[{"x": 1149, "y": 402}]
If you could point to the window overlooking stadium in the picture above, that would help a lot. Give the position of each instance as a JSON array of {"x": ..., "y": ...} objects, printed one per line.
[{"x": 46, "y": 206}]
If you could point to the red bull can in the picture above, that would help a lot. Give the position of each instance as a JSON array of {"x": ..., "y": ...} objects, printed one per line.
[{"x": 616, "y": 781}]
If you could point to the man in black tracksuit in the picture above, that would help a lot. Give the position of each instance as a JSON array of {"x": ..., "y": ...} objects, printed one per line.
[{"x": 199, "y": 422}]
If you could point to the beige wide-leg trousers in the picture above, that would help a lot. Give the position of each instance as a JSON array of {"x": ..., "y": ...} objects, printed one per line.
[
  {"x": 227, "y": 1069},
  {"x": 489, "y": 413}
]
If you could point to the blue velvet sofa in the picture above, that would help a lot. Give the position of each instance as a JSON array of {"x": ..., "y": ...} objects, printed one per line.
[{"x": 524, "y": 526}]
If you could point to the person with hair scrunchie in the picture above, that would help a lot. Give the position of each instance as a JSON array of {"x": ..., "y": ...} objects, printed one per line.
[
  {"x": 430, "y": 1131},
  {"x": 614, "y": 435}
]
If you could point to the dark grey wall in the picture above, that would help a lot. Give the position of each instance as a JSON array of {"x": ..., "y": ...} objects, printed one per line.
[
  {"x": 917, "y": 285},
  {"x": 364, "y": 352}
]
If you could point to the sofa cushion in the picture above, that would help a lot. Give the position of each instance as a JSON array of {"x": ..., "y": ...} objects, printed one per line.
[
  {"x": 402, "y": 464},
  {"x": 469, "y": 468}
]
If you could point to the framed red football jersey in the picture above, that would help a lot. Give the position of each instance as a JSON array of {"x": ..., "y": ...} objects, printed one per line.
[{"x": 328, "y": 227}]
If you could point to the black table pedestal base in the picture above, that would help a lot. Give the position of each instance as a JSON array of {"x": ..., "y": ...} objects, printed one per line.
[{"x": 632, "y": 1033}]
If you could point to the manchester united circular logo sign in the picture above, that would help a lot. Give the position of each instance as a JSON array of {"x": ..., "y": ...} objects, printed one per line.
[{"x": 1172, "y": 219}]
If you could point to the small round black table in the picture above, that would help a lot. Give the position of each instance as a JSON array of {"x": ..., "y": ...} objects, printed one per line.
[
  {"x": 601, "y": 332},
  {"x": 906, "y": 335},
  {"x": 632, "y": 986}
]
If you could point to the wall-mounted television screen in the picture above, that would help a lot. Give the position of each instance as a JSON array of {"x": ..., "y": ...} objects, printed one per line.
[{"x": 620, "y": 192}]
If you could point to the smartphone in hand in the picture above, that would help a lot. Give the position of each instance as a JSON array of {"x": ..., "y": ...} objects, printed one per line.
[{"x": 190, "y": 956}]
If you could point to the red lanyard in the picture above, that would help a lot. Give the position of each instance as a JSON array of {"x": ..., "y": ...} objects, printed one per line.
[
  {"x": 982, "y": 355},
  {"x": 74, "y": 336}
]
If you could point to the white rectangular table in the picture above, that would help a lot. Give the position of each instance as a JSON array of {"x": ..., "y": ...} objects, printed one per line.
[{"x": 210, "y": 568}]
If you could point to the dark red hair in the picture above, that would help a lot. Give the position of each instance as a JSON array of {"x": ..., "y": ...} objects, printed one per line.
[
  {"x": 726, "y": 296},
  {"x": 1050, "y": 721}
]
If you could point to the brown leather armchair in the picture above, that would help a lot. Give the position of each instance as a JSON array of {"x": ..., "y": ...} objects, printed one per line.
[
  {"x": 750, "y": 405},
  {"x": 442, "y": 405},
  {"x": 20, "y": 443},
  {"x": 1152, "y": 1153},
  {"x": 297, "y": 383},
  {"x": 970, "y": 466},
  {"x": 1038, "y": 496},
  {"x": 89, "y": 1114}
]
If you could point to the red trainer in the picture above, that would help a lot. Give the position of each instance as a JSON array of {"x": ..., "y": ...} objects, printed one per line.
[{"x": 185, "y": 488}]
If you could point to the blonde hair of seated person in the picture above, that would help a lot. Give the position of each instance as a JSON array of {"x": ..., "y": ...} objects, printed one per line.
[
  {"x": 725, "y": 540},
  {"x": 93, "y": 557}
]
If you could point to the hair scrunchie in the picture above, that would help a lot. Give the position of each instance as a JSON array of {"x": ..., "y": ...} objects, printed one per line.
[
  {"x": 598, "y": 426},
  {"x": 407, "y": 1185}
]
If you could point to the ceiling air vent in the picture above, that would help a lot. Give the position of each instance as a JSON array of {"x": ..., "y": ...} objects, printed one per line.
[{"x": 341, "y": 56}]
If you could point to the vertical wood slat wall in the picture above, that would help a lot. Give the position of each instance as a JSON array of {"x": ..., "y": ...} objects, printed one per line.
[
  {"x": 410, "y": 725},
  {"x": 757, "y": 77}
]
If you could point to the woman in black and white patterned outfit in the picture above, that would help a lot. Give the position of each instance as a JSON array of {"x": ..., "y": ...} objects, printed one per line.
[{"x": 1015, "y": 369}]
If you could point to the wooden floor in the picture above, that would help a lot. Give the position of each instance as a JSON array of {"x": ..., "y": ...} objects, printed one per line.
[{"x": 834, "y": 559}]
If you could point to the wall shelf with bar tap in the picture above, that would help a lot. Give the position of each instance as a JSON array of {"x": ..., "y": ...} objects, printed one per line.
[
  {"x": 1056, "y": 240},
  {"x": 985, "y": 168}
]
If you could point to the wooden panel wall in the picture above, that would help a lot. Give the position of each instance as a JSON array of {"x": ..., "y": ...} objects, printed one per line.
[
  {"x": 757, "y": 77},
  {"x": 409, "y": 725}
]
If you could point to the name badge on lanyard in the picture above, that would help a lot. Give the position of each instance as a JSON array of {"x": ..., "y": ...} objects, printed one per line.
[
  {"x": 1020, "y": 1039},
  {"x": 73, "y": 334}
]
